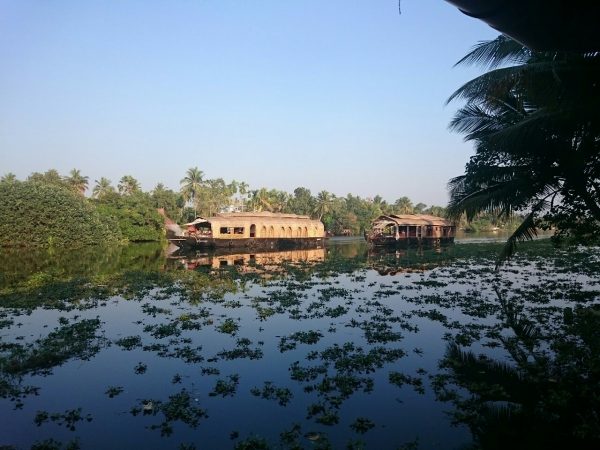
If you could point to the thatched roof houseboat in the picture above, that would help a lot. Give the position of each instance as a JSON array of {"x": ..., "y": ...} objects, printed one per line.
[
  {"x": 395, "y": 229},
  {"x": 253, "y": 230}
]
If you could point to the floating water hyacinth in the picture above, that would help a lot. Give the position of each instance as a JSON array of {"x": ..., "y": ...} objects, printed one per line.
[{"x": 364, "y": 351}]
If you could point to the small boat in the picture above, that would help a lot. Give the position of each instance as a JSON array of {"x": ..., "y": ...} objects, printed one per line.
[
  {"x": 410, "y": 229},
  {"x": 264, "y": 230}
]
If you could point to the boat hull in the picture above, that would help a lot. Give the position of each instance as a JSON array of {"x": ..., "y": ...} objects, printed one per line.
[{"x": 190, "y": 242}]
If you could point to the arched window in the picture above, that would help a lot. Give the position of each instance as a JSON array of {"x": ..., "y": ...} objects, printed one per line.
[
  {"x": 305, "y": 232},
  {"x": 252, "y": 230},
  {"x": 282, "y": 232},
  {"x": 263, "y": 232},
  {"x": 271, "y": 231},
  {"x": 289, "y": 232}
]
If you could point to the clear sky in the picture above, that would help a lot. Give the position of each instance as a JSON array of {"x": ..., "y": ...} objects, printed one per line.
[{"x": 344, "y": 96}]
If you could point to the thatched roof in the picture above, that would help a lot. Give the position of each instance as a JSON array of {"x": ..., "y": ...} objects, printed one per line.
[{"x": 413, "y": 220}]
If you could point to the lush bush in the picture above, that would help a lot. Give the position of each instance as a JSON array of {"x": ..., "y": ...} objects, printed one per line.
[
  {"x": 37, "y": 214},
  {"x": 135, "y": 215},
  {"x": 171, "y": 201}
]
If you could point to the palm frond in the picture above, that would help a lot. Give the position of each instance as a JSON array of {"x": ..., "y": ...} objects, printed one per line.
[
  {"x": 494, "y": 53},
  {"x": 523, "y": 327},
  {"x": 524, "y": 232},
  {"x": 512, "y": 137},
  {"x": 540, "y": 74},
  {"x": 505, "y": 190},
  {"x": 480, "y": 120},
  {"x": 482, "y": 374}
]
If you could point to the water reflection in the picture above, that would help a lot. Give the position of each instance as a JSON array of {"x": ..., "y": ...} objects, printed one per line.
[
  {"x": 257, "y": 262},
  {"x": 543, "y": 393},
  {"x": 339, "y": 347},
  {"x": 385, "y": 261}
]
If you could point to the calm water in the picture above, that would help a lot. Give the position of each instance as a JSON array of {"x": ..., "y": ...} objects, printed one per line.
[{"x": 329, "y": 348}]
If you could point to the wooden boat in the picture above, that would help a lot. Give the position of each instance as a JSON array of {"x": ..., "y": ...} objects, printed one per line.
[
  {"x": 252, "y": 230},
  {"x": 410, "y": 229}
]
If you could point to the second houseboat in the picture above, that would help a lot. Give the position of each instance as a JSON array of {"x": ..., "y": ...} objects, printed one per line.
[{"x": 410, "y": 229}]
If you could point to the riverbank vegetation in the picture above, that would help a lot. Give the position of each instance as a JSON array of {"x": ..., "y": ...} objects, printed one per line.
[
  {"x": 48, "y": 209},
  {"x": 38, "y": 214}
]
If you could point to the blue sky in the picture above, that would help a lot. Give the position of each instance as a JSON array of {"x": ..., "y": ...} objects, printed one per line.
[{"x": 344, "y": 96}]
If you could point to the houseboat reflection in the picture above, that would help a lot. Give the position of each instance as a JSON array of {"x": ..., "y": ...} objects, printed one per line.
[{"x": 248, "y": 262}]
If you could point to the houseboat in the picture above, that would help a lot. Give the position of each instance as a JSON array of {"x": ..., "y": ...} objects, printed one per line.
[
  {"x": 410, "y": 229},
  {"x": 264, "y": 230}
]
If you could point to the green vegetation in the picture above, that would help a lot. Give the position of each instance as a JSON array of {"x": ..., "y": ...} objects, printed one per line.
[
  {"x": 534, "y": 122},
  {"x": 135, "y": 215},
  {"x": 271, "y": 392},
  {"x": 57, "y": 213},
  {"x": 178, "y": 408},
  {"x": 48, "y": 214},
  {"x": 50, "y": 211}
]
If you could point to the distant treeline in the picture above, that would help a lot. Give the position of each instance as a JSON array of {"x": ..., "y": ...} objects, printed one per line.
[{"x": 48, "y": 209}]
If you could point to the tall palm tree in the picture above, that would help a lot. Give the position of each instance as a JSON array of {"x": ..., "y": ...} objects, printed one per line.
[
  {"x": 8, "y": 178},
  {"x": 191, "y": 185},
  {"x": 50, "y": 176},
  {"x": 535, "y": 122},
  {"x": 77, "y": 181},
  {"x": 159, "y": 189},
  {"x": 243, "y": 190},
  {"x": 128, "y": 185},
  {"x": 279, "y": 200},
  {"x": 403, "y": 206},
  {"x": 102, "y": 188},
  {"x": 261, "y": 200},
  {"x": 324, "y": 203}
]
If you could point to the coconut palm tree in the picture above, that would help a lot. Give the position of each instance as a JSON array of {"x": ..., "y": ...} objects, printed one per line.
[
  {"x": 102, "y": 188},
  {"x": 403, "y": 206},
  {"x": 324, "y": 203},
  {"x": 261, "y": 200},
  {"x": 77, "y": 181},
  {"x": 279, "y": 200},
  {"x": 243, "y": 191},
  {"x": 535, "y": 122},
  {"x": 128, "y": 185},
  {"x": 159, "y": 189},
  {"x": 50, "y": 176},
  {"x": 191, "y": 185},
  {"x": 8, "y": 178}
]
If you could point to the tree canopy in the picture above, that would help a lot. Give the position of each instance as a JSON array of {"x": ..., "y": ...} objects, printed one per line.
[{"x": 535, "y": 124}]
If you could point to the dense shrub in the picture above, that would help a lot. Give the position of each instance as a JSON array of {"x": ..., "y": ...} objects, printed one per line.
[
  {"x": 134, "y": 214},
  {"x": 37, "y": 214}
]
